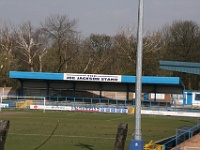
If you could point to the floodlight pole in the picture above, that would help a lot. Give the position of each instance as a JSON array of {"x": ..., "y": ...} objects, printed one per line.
[
  {"x": 137, "y": 143},
  {"x": 138, "y": 88}
]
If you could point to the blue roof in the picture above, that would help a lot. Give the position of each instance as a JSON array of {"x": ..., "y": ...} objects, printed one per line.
[
  {"x": 35, "y": 75},
  {"x": 187, "y": 67},
  {"x": 123, "y": 78},
  {"x": 152, "y": 80}
]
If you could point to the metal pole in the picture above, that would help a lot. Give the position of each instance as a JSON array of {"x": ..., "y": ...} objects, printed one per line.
[
  {"x": 138, "y": 143},
  {"x": 138, "y": 88}
]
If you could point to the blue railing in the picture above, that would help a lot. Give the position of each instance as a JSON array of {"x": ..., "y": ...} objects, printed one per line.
[
  {"x": 97, "y": 102},
  {"x": 182, "y": 137}
]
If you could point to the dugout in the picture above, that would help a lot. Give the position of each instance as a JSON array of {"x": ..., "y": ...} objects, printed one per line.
[{"x": 92, "y": 85}]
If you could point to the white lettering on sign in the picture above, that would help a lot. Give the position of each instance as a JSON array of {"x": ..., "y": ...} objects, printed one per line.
[
  {"x": 92, "y": 77},
  {"x": 51, "y": 107}
]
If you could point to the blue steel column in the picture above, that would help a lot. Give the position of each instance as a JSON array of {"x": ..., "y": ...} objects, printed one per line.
[
  {"x": 47, "y": 92},
  {"x": 137, "y": 143},
  {"x": 100, "y": 92},
  {"x": 21, "y": 92},
  {"x": 127, "y": 91},
  {"x": 74, "y": 88}
]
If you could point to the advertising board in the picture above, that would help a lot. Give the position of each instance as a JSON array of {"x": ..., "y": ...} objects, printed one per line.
[
  {"x": 84, "y": 109},
  {"x": 4, "y": 105},
  {"x": 92, "y": 77},
  {"x": 113, "y": 110},
  {"x": 66, "y": 108}
]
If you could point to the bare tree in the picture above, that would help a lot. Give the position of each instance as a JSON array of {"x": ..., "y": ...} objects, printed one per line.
[
  {"x": 96, "y": 55},
  {"x": 126, "y": 44},
  {"x": 152, "y": 53},
  {"x": 28, "y": 45},
  {"x": 126, "y": 40},
  {"x": 7, "y": 58},
  {"x": 63, "y": 40},
  {"x": 42, "y": 47},
  {"x": 182, "y": 43}
]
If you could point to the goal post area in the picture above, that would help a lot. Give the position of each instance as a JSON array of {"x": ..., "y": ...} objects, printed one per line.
[{"x": 21, "y": 102}]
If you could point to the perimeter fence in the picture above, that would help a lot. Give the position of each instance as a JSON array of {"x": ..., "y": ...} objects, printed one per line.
[{"x": 86, "y": 103}]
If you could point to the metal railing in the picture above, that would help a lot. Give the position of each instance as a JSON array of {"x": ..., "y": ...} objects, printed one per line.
[
  {"x": 104, "y": 102},
  {"x": 182, "y": 137}
]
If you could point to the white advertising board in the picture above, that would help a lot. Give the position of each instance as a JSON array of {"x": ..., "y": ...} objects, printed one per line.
[
  {"x": 67, "y": 108},
  {"x": 84, "y": 109},
  {"x": 4, "y": 105},
  {"x": 170, "y": 113},
  {"x": 113, "y": 110},
  {"x": 92, "y": 77}
]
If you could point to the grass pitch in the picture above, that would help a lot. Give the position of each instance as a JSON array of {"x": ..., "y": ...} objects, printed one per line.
[{"x": 31, "y": 130}]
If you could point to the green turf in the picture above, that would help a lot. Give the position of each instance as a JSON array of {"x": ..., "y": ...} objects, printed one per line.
[{"x": 31, "y": 130}]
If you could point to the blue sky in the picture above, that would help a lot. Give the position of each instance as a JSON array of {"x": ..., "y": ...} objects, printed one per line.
[{"x": 102, "y": 16}]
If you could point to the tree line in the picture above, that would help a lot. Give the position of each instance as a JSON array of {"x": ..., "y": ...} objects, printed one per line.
[{"x": 57, "y": 46}]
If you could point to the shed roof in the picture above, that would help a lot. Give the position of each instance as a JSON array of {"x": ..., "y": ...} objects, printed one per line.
[{"x": 187, "y": 67}]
